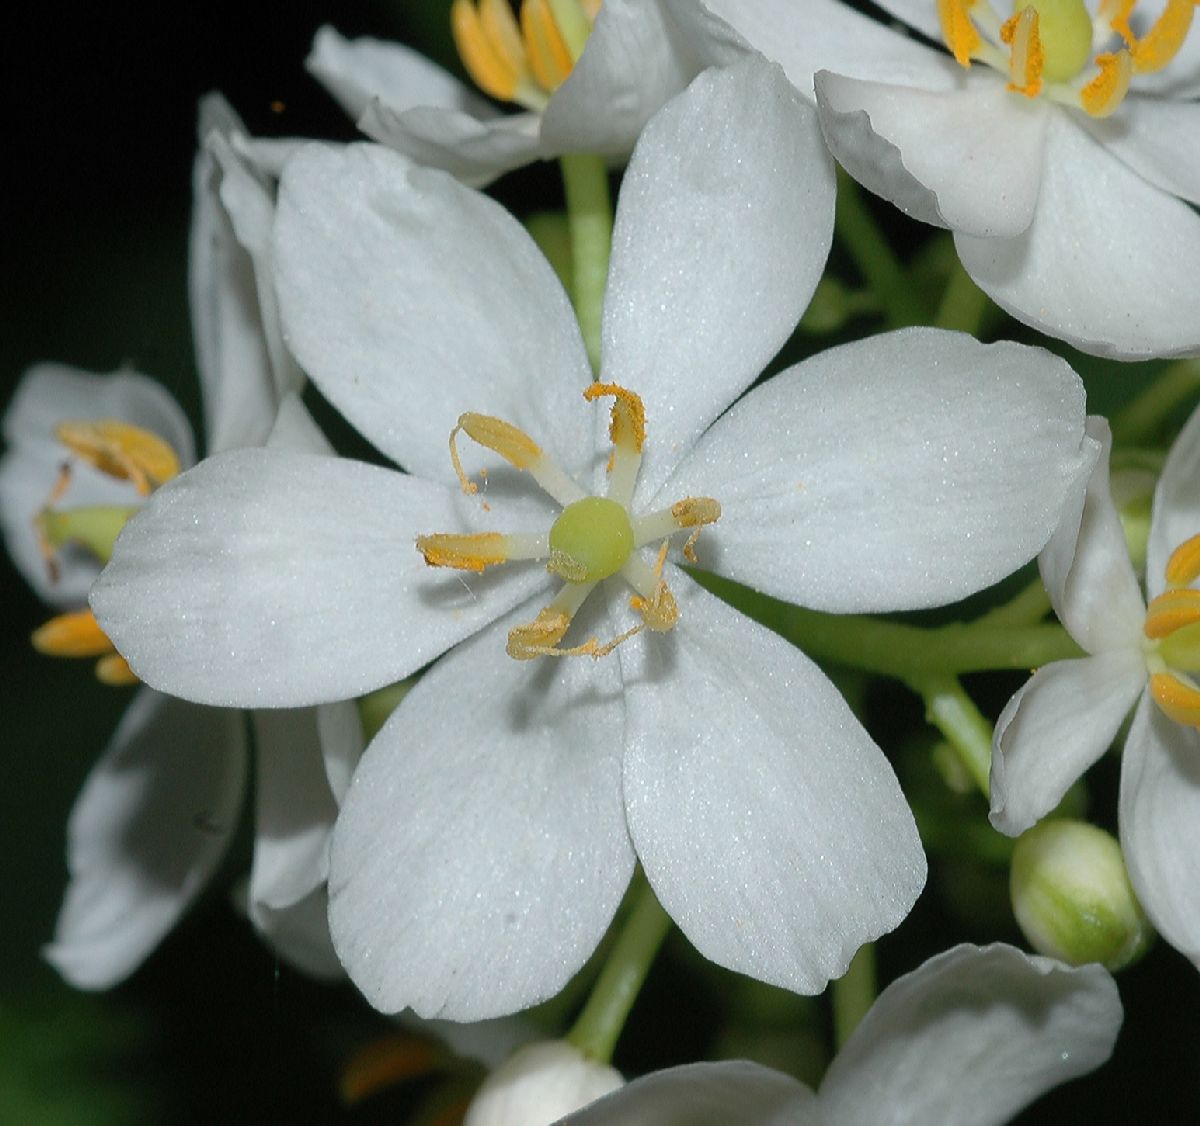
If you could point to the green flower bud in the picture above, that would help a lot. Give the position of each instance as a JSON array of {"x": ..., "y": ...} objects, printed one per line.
[{"x": 1072, "y": 897}]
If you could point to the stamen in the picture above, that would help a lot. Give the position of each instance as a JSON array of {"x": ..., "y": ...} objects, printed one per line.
[
  {"x": 540, "y": 637},
  {"x": 1172, "y": 611},
  {"x": 492, "y": 70},
  {"x": 76, "y": 634},
  {"x": 464, "y": 552},
  {"x": 1178, "y": 699},
  {"x": 518, "y": 449},
  {"x": 1162, "y": 42},
  {"x": 1107, "y": 90},
  {"x": 627, "y": 432},
  {"x": 958, "y": 31},
  {"x": 1027, "y": 59},
  {"x": 691, "y": 512},
  {"x": 1183, "y": 566},
  {"x": 549, "y": 58},
  {"x": 114, "y": 671},
  {"x": 654, "y": 600},
  {"x": 121, "y": 450}
]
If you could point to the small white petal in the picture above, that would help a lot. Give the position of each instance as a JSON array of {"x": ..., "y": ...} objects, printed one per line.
[
  {"x": 969, "y": 159},
  {"x": 722, "y": 230},
  {"x": 1109, "y": 263},
  {"x": 971, "y": 1037},
  {"x": 299, "y": 934},
  {"x": 899, "y": 471},
  {"x": 356, "y": 71},
  {"x": 769, "y": 824},
  {"x": 266, "y": 578},
  {"x": 410, "y": 299},
  {"x": 295, "y": 429},
  {"x": 1160, "y": 823},
  {"x": 1176, "y": 514},
  {"x": 482, "y": 850},
  {"x": 1060, "y": 722},
  {"x": 47, "y": 395},
  {"x": 1086, "y": 566},
  {"x": 706, "y": 1094},
  {"x": 148, "y": 829}
]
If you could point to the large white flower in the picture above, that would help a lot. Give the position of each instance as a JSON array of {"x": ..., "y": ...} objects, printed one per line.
[
  {"x": 493, "y": 824},
  {"x": 636, "y": 58},
  {"x": 1069, "y": 712},
  {"x": 1077, "y": 224},
  {"x": 160, "y": 807},
  {"x": 970, "y": 1037}
]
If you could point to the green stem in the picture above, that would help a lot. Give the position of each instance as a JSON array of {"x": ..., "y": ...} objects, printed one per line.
[
  {"x": 853, "y": 994},
  {"x": 589, "y": 222},
  {"x": 1141, "y": 419},
  {"x": 599, "y": 1025},
  {"x": 1028, "y": 608},
  {"x": 879, "y": 266},
  {"x": 955, "y": 715},
  {"x": 963, "y": 303}
]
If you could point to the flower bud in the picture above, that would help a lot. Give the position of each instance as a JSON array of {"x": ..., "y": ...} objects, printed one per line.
[
  {"x": 540, "y": 1084},
  {"x": 1072, "y": 897}
]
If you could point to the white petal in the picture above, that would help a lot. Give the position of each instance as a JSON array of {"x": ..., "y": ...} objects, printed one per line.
[
  {"x": 356, "y": 71},
  {"x": 472, "y": 149},
  {"x": 1157, "y": 140},
  {"x": 341, "y": 733},
  {"x": 410, "y": 299},
  {"x": 830, "y": 35},
  {"x": 916, "y": 13},
  {"x": 636, "y": 59},
  {"x": 47, "y": 395},
  {"x": 266, "y": 578},
  {"x": 299, "y": 934},
  {"x": 969, "y": 158},
  {"x": 705, "y": 1094},
  {"x": 148, "y": 829},
  {"x": 1176, "y": 514},
  {"x": 1109, "y": 263},
  {"x": 769, "y": 824},
  {"x": 481, "y": 851},
  {"x": 722, "y": 230},
  {"x": 1086, "y": 565},
  {"x": 971, "y": 1037},
  {"x": 899, "y": 471},
  {"x": 295, "y": 429},
  {"x": 1060, "y": 722},
  {"x": 1160, "y": 823}
]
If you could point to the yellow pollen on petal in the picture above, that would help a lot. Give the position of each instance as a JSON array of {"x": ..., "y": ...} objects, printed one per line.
[
  {"x": 1162, "y": 42},
  {"x": 549, "y": 58},
  {"x": 958, "y": 31},
  {"x": 1027, "y": 58},
  {"x": 122, "y": 450},
  {"x": 512, "y": 444},
  {"x": 474, "y": 552},
  {"x": 76, "y": 634},
  {"x": 1101, "y": 96},
  {"x": 1178, "y": 699},
  {"x": 628, "y": 428},
  {"x": 491, "y": 68},
  {"x": 1172, "y": 611},
  {"x": 1183, "y": 566}
]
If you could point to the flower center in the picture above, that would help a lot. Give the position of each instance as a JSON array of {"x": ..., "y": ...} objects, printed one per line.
[
  {"x": 592, "y": 539},
  {"x": 1172, "y": 631},
  {"x": 1057, "y": 48},
  {"x": 521, "y": 62}
]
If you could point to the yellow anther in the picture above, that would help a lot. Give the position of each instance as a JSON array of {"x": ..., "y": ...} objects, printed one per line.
[
  {"x": 660, "y": 612},
  {"x": 540, "y": 638},
  {"x": 464, "y": 552},
  {"x": 1183, "y": 567},
  {"x": 695, "y": 512},
  {"x": 1172, "y": 611},
  {"x": 76, "y": 634},
  {"x": 549, "y": 58},
  {"x": 960, "y": 34},
  {"x": 515, "y": 446},
  {"x": 491, "y": 67},
  {"x": 1101, "y": 96},
  {"x": 628, "y": 428},
  {"x": 1178, "y": 699},
  {"x": 120, "y": 450},
  {"x": 1116, "y": 14},
  {"x": 114, "y": 671},
  {"x": 1162, "y": 42},
  {"x": 1027, "y": 59}
]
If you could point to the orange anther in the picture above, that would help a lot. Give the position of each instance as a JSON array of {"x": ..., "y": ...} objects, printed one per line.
[
  {"x": 463, "y": 552},
  {"x": 121, "y": 450},
  {"x": 1027, "y": 59},
  {"x": 1172, "y": 611},
  {"x": 1178, "y": 700},
  {"x": 960, "y": 34},
  {"x": 1183, "y": 566},
  {"x": 1108, "y": 89},
  {"x": 628, "y": 428},
  {"x": 1162, "y": 42}
]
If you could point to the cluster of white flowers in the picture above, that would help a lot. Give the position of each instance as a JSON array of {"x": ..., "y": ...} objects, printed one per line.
[{"x": 584, "y": 704}]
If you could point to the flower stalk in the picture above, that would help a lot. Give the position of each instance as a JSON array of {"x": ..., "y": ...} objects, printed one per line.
[{"x": 589, "y": 225}]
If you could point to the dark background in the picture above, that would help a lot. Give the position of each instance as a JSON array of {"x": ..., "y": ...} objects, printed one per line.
[{"x": 100, "y": 140}]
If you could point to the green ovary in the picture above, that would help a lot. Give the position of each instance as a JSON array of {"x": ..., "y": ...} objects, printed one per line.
[
  {"x": 1065, "y": 29},
  {"x": 590, "y": 540}
]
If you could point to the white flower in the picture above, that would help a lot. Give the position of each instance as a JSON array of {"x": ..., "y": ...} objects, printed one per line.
[
  {"x": 1069, "y": 712},
  {"x": 637, "y": 57},
  {"x": 539, "y": 1084},
  {"x": 969, "y": 1038},
  {"x": 493, "y": 825},
  {"x": 1076, "y": 224},
  {"x": 159, "y": 809}
]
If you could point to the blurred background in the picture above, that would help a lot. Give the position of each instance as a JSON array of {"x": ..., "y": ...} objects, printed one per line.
[{"x": 101, "y": 137}]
